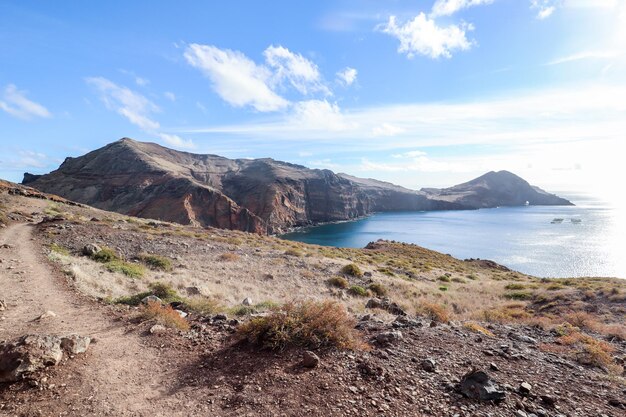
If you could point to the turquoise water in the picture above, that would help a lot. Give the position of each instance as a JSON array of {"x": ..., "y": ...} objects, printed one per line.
[{"x": 522, "y": 238}]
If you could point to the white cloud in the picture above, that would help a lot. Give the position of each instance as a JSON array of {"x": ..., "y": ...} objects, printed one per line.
[
  {"x": 136, "y": 108},
  {"x": 423, "y": 36},
  {"x": 419, "y": 164},
  {"x": 449, "y": 7},
  {"x": 176, "y": 140},
  {"x": 299, "y": 72},
  {"x": 409, "y": 154},
  {"x": 347, "y": 76},
  {"x": 15, "y": 103},
  {"x": 545, "y": 8},
  {"x": 133, "y": 106},
  {"x": 235, "y": 77},
  {"x": 387, "y": 129},
  {"x": 142, "y": 82},
  {"x": 170, "y": 96},
  {"x": 585, "y": 56},
  {"x": 318, "y": 115},
  {"x": 324, "y": 164}
]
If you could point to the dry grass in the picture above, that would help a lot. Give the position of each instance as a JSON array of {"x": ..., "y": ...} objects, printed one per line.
[
  {"x": 436, "y": 312},
  {"x": 229, "y": 257},
  {"x": 588, "y": 350},
  {"x": 477, "y": 328},
  {"x": 308, "y": 324},
  {"x": 338, "y": 282},
  {"x": 377, "y": 288},
  {"x": 204, "y": 306},
  {"x": 164, "y": 315}
]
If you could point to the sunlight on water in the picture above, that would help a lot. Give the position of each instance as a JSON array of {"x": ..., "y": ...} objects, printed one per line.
[{"x": 589, "y": 241}]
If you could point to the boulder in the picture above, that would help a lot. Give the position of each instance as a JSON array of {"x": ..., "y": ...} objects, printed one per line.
[
  {"x": 385, "y": 304},
  {"x": 31, "y": 353},
  {"x": 158, "y": 329},
  {"x": 151, "y": 299},
  {"x": 429, "y": 365},
  {"x": 387, "y": 338},
  {"x": 91, "y": 249},
  {"x": 478, "y": 385},
  {"x": 525, "y": 388},
  {"x": 310, "y": 359},
  {"x": 247, "y": 301}
]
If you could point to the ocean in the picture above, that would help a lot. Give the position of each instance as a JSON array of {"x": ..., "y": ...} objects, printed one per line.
[{"x": 589, "y": 241}]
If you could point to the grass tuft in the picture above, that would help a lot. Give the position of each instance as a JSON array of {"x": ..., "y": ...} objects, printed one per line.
[
  {"x": 164, "y": 315},
  {"x": 339, "y": 282},
  {"x": 435, "y": 312},
  {"x": 156, "y": 262},
  {"x": 352, "y": 270},
  {"x": 358, "y": 291}
]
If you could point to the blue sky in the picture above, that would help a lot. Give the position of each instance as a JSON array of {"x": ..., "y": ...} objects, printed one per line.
[{"x": 420, "y": 93}]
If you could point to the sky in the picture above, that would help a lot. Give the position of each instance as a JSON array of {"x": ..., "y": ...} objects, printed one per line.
[{"x": 424, "y": 93}]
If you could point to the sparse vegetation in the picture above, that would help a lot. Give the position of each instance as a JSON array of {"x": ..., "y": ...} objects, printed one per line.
[
  {"x": 514, "y": 286},
  {"x": 164, "y": 315},
  {"x": 59, "y": 249},
  {"x": 294, "y": 252},
  {"x": 352, "y": 270},
  {"x": 518, "y": 295},
  {"x": 444, "y": 278},
  {"x": 156, "y": 262},
  {"x": 203, "y": 305},
  {"x": 308, "y": 324}
]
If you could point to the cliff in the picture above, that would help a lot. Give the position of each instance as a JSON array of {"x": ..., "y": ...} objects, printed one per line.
[{"x": 261, "y": 195}]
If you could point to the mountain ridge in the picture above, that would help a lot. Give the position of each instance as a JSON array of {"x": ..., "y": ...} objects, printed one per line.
[{"x": 255, "y": 195}]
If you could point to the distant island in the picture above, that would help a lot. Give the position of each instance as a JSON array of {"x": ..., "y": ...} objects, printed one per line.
[{"x": 255, "y": 195}]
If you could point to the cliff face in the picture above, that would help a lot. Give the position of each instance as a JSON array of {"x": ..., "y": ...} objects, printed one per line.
[{"x": 262, "y": 195}]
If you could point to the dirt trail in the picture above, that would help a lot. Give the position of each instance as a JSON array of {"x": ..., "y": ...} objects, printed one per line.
[{"x": 119, "y": 375}]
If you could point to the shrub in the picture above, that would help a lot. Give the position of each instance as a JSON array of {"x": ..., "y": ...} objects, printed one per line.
[
  {"x": 59, "y": 249},
  {"x": 477, "y": 328},
  {"x": 308, "y": 324},
  {"x": 514, "y": 286},
  {"x": 459, "y": 280},
  {"x": 164, "y": 291},
  {"x": 126, "y": 268},
  {"x": 358, "y": 291},
  {"x": 164, "y": 315},
  {"x": 518, "y": 295},
  {"x": 339, "y": 282},
  {"x": 204, "y": 306},
  {"x": 582, "y": 320},
  {"x": 132, "y": 300},
  {"x": 473, "y": 277},
  {"x": 443, "y": 288},
  {"x": 377, "y": 288},
  {"x": 105, "y": 255},
  {"x": 229, "y": 257},
  {"x": 294, "y": 252},
  {"x": 242, "y": 310},
  {"x": 352, "y": 270},
  {"x": 435, "y": 312},
  {"x": 156, "y": 262},
  {"x": 443, "y": 278},
  {"x": 509, "y": 313}
]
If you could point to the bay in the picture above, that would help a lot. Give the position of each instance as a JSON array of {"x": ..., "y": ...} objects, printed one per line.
[{"x": 589, "y": 241}]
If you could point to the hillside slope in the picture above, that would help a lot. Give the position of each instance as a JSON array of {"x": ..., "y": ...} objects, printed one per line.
[{"x": 260, "y": 195}]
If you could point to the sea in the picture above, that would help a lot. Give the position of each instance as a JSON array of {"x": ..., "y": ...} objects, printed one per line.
[{"x": 585, "y": 240}]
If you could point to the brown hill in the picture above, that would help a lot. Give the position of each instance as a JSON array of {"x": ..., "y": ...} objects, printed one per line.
[{"x": 259, "y": 195}]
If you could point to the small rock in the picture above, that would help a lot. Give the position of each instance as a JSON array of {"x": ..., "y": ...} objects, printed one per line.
[
  {"x": 479, "y": 386},
  {"x": 520, "y": 413},
  {"x": 525, "y": 388},
  {"x": 310, "y": 359},
  {"x": 181, "y": 313},
  {"x": 494, "y": 367},
  {"x": 158, "y": 329},
  {"x": 247, "y": 301},
  {"x": 220, "y": 317},
  {"x": 91, "y": 249},
  {"x": 193, "y": 291},
  {"x": 429, "y": 365},
  {"x": 548, "y": 400},
  {"x": 3, "y": 305},
  {"x": 46, "y": 315}
]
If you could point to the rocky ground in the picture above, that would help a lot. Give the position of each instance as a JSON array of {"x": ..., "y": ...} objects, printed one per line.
[{"x": 414, "y": 362}]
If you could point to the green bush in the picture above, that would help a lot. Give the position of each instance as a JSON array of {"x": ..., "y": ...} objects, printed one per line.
[
  {"x": 132, "y": 300},
  {"x": 164, "y": 291},
  {"x": 443, "y": 288},
  {"x": 358, "y": 291},
  {"x": 126, "y": 268},
  {"x": 339, "y": 282},
  {"x": 352, "y": 270},
  {"x": 518, "y": 295},
  {"x": 156, "y": 262},
  {"x": 105, "y": 255},
  {"x": 444, "y": 278},
  {"x": 377, "y": 288},
  {"x": 514, "y": 286}
]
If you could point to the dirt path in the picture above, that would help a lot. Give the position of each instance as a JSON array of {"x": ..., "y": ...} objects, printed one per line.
[{"x": 118, "y": 376}]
